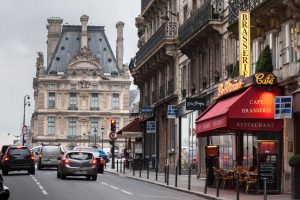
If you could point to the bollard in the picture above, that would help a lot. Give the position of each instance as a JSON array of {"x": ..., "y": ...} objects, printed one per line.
[
  {"x": 117, "y": 166},
  {"x": 148, "y": 170},
  {"x": 156, "y": 171},
  {"x": 140, "y": 171},
  {"x": 121, "y": 166},
  {"x": 168, "y": 174},
  {"x": 205, "y": 186},
  {"x": 124, "y": 166},
  {"x": 237, "y": 186},
  {"x": 189, "y": 178},
  {"x": 133, "y": 170},
  {"x": 176, "y": 175},
  {"x": 218, "y": 184},
  {"x": 165, "y": 171},
  {"x": 265, "y": 188}
]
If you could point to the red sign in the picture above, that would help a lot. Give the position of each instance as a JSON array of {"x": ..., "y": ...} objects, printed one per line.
[
  {"x": 212, "y": 151},
  {"x": 112, "y": 136}
]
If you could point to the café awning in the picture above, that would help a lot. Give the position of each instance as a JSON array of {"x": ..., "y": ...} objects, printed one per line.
[
  {"x": 131, "y": 130},
  {"x": 252, "y": 109}
]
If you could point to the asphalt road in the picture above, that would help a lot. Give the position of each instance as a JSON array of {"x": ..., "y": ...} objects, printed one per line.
[{"x": 45, "y": 186}]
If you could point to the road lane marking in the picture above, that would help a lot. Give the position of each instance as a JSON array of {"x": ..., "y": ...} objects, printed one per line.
[
  {"x": 44, "y": 192},
  {"x": 126, "y": 192},
  {"x": 114, "y": 187},
  {"x": 38, "y": 183},
  {"x": 40, "y": 186},
  {"x": 104, "y": 183},
  {"x": 35, "y": 179}
]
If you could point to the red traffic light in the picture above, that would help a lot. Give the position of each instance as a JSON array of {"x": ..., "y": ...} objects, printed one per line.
[
  {"x": 113, "y": 125},
  {"x": 112, "y": 122}
]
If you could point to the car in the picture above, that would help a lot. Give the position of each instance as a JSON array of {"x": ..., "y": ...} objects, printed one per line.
[
  {"x": 48, "y": 155},
  {"x": 100, "y": 159},
  {"x": 77, "y": 163},
  {"x": 18, "y": 158},
  {"x": 36, "y": 150},
  {"x": 4, "y": 191},
  {"x": 103, "y": 155},
  {"x": 3, "y": 150}
]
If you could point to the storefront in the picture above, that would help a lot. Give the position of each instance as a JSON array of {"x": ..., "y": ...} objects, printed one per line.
[{"x": 241, "y": 122}]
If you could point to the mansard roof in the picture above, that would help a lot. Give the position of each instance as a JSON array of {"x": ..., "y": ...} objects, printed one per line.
[{"x": 68, "y": 48}]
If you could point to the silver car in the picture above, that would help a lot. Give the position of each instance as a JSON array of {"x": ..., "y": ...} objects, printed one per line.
[
  {"x": 48, "y": 156},
  {"x": 77, "y": 163}
]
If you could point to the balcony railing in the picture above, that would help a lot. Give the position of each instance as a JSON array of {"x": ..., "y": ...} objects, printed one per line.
[
  {"x": 167, "y": 31},
  {"x": 94, "y": 108},
  {"x": 200, "y": 18},
  {"x": 73, "y": 107},
  {"x": 236, "y": 5},
  {"x": 144, "y": 4},
  {"x": 162, "y": 92},
  {"x": 170, "y": 87},
  {"x": 154, "y": 96}
]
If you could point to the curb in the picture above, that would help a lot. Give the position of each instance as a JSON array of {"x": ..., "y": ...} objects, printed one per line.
[{"x": 207, "y": 196}]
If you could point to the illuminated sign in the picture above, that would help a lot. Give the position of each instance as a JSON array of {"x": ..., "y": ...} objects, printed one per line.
[
  {"x": 264, "y": 79},
  {"x": 212, "y": 151},
  {"x": 229, "y": 86},
  {"x": 244, "y": 42}
]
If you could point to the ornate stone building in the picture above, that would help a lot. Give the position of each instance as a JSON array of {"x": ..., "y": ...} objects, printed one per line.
[{"x": 81, "y": 88}]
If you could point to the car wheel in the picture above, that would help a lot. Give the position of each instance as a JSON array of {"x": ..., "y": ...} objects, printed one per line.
[
  {"x": 31, "y": 171},
  {"x": 63, "y": 176},
  {"x": 88, "y": 177},
  {"x": 4, "y": 171},
  {"x": 94, "y": 178},
  {"x": 101, "y": 169}
]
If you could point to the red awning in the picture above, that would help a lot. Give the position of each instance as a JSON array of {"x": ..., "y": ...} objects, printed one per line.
[
  {"x": 252, "y": 109},
  {"x": 131, "y": 130}
]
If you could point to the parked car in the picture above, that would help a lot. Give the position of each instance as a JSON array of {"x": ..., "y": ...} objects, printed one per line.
[
  {"x": 3, "y": 150},
  {"x": 48, "y": 156},
  {"x": 4, "y": 191},
  {"x": 103, "y": 155},
  {"x": 77, "y": 163},
  {"x": 36, "y": 150},
  {"x": 100, "y": 159},
  {"x": 18, "y": 158}
]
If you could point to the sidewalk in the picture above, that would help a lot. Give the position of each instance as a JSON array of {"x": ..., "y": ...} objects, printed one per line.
[{"x": 197, "y": 185}]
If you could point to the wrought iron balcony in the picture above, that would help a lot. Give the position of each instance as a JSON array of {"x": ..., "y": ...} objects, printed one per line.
[
  {"x": 166, "y": 32},
  {"x": 162, "y": 92},
  {"x": 170, "y": 87},
  {"x": 154, "y": 96},
  {"x": 236, "y": 5},
  {"x": 198, "y": 20}
]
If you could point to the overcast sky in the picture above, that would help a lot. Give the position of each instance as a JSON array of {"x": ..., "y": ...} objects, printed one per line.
[{"x": 23, "y": 33}]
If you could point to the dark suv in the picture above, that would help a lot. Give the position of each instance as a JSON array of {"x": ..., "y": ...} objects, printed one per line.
[
  {"x": 48, "y": 156},
  {"x": 3, "y": 150},
  {"x": 18, "y": 158}
]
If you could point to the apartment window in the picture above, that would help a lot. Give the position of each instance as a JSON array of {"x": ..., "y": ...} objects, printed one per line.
[
  {"x": 255, "y": 54},
  {"x": 52, "y": 86},
  {"x": 115, "y": 101},
  {"x": 288, "y": 43},
  {"x": 94, "y": 125},
  {"x": 73, "y": 86},
  {"x": 117, "y": 123},
  {"x": 94, "y": 100},
  {"x": 51, "y": 100},
  {"x": 73, "y": 100},
  {"x": 72, "y": 126},
  {"x": 51, "y": 125},
  {"x": 273, "y": 41}
]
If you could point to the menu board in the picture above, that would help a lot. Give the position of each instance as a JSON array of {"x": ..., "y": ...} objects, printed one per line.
[
  {"x": 212, "y": 151},
  {"x": 268, "y": 170}
]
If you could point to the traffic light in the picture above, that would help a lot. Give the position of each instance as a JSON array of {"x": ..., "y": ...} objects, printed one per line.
[{"x": 113, "y": 125}]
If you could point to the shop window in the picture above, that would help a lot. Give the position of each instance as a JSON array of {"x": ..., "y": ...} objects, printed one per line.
[
  {"x": 249, "y": 150},
  {"x": 225, "y": 143}
]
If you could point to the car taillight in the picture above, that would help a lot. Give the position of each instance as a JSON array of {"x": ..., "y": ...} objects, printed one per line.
[
  {"x": 6, "y": 158},
  {"x": 66, "y": 161},
  {"x": 94, "y": 162},
  {"x": 32, "y": 157},
  {"x": 40, "y": 155},
  {"x": 102, "y": 160}
]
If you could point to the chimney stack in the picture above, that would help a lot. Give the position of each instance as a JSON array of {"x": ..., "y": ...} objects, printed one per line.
[
  {"x": 84, "y": 40},
  {"x": 54, "y": 32},
  {"x": 120, "y": 46}
]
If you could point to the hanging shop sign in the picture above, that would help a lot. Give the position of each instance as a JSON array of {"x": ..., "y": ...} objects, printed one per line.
[
  {"x": 151, "y": 127},
  {"x": 244, "y": 43},
  {"x": 283, "y": 106},
  {"x": 264, "y": 79},
  {"x": 229, "y": 86},
  {"x": 194, "y": 103},
  {"x": 212, "y": 151},
  {"x": 171, "y": 112}
]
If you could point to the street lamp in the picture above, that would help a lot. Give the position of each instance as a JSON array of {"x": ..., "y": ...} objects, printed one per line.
[
  {"x": 17, "y": 136},
  {"x": 95, "y": 134},
  {"x": 26, "y": 102}
]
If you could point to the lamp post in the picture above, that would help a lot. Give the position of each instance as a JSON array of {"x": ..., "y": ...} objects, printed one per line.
[
  {"x": 17, "y": 136},
  {"x": 102, "y": 132},
  {"x": 26, "y": 102}
]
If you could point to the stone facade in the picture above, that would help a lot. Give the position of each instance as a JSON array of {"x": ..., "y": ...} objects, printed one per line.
[{"x": 82, "y": 87}]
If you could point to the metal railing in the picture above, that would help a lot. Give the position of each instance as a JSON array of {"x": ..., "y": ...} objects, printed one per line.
[{"x": 167, "y": 31}]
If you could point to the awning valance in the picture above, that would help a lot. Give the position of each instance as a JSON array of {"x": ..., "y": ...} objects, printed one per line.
[{"x": 251, "y": 110}]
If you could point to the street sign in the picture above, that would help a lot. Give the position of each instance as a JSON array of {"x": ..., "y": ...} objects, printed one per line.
[
  {"x": 24, "y": 129},
  {"x": 112, "y": 136},
  {"x": 151, "y": 127},
  {"x": 171, "y": 112}
]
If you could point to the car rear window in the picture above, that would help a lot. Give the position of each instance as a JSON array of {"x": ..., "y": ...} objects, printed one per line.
[
  {"x": 80, "y": 156},
  {"x": 19, "y": 151},
  {"x": 51, "y": 150}
]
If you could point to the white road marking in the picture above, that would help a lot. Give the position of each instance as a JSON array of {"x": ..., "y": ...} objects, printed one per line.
[
  {"x": 114, "y": 187},
  {"x": 126, "y": 192},
  {"x": 38, "y": 183},
  {"x": 104, "y": 183},
  {"x": 44, "y": 192},
  {"x": 34, "y": 179},
  {"x": 41, "y": 187}
]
